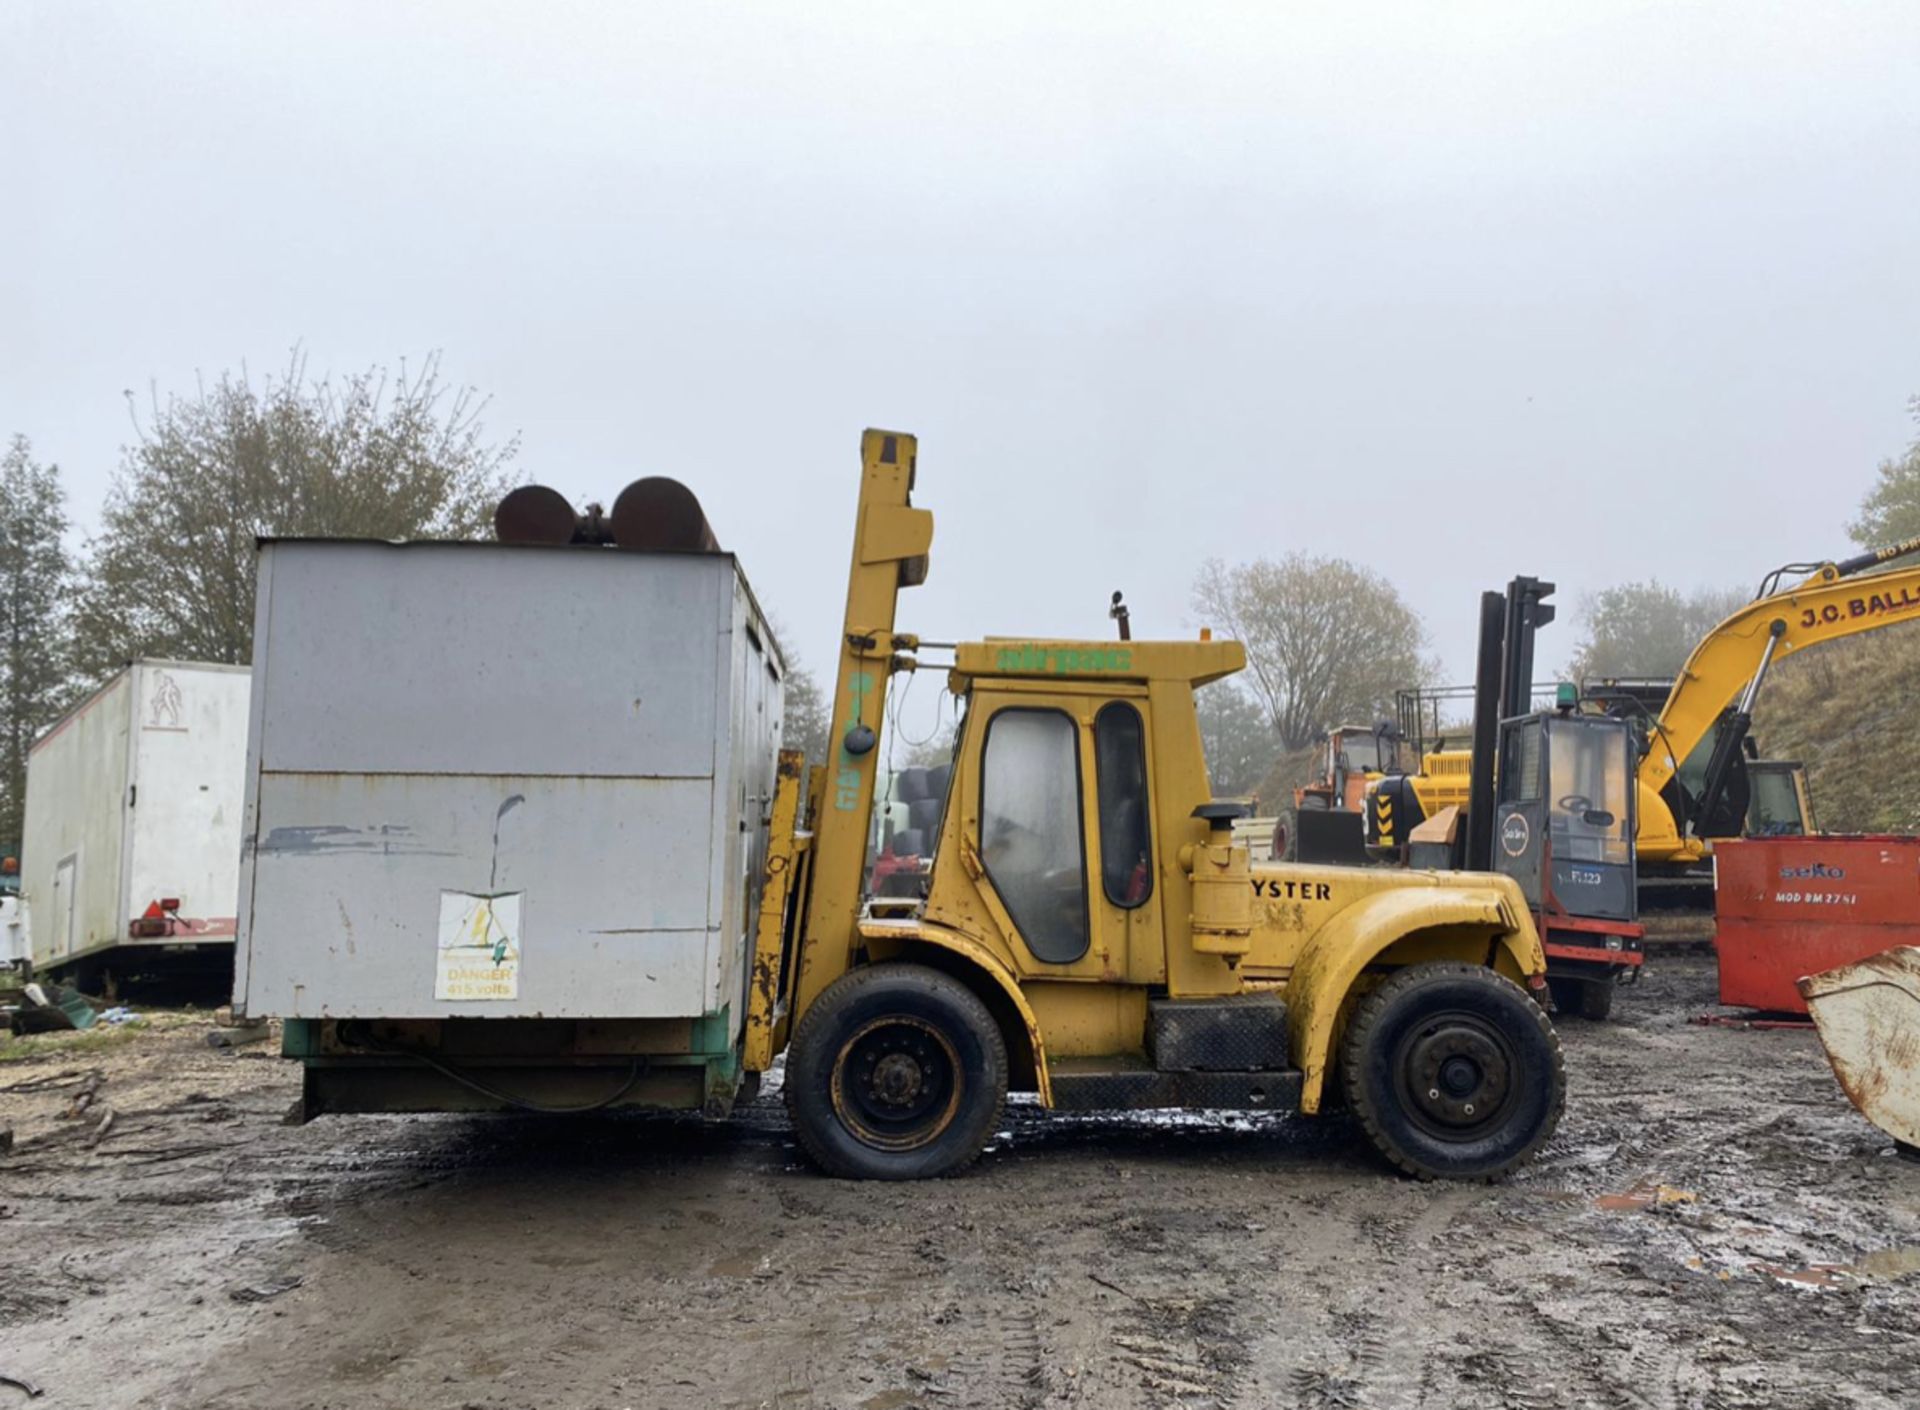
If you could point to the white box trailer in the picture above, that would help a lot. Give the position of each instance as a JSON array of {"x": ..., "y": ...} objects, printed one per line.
[
  {"x": 500, "y": 782},
  {"x": 131, "y": 851}
]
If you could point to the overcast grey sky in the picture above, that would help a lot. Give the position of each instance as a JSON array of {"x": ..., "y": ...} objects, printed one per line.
[{"x": 1593, "y": 291}]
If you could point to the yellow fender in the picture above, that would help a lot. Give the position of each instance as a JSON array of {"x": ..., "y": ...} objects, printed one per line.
[
  {"x": 881, "y": 934},
  {"x": 1418, "y": 924}
]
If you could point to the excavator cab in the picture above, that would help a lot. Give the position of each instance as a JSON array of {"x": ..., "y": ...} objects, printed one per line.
[
  {"x": 1777, "y": 800},
  {"x": 1564, "y": 831}
]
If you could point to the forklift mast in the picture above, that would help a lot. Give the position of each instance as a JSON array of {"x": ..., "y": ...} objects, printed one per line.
[
  {"x": 1502, "y": 689},
  {"x": 890, "y": 544}
]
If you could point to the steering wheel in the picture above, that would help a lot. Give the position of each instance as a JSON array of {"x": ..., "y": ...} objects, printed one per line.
[{"x": 1575, "y": 803}]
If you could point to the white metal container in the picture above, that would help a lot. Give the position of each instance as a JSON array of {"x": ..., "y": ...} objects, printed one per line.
[
  {"x": 504, "y": 781},
  {"x": 134, "y": 799}
]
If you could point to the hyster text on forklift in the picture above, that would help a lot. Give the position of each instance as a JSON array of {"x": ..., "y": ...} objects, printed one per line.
[{"x": 526, "y": 840}]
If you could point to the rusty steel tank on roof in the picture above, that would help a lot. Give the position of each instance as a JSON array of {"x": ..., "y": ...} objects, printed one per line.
[{"x": 657, "y": 514}]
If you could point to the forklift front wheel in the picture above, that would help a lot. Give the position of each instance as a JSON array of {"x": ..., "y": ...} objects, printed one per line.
[
  {"x": 897, "y": 1072},
  {"x": 1454, "y": 1072}
]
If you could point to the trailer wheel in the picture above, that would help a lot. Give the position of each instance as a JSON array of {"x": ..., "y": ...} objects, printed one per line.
[
  {"x": 897, "y": 1072},
  {"x": 1589, "y": 998},
  {"x": 1454, "y": 1072}
]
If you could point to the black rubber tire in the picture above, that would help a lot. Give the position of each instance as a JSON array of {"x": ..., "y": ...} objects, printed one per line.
[
  {"x": 925, "y": 815},
  {"x": 910, "y": 785},
  {"x": 879, "y": 999},
  {"x": 1437, "y": 1003},
  {"x": 1586, "y": 998}
]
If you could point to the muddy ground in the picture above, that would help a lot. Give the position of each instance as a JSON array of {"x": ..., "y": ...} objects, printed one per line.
[{"x": 1713, "y": 1226}]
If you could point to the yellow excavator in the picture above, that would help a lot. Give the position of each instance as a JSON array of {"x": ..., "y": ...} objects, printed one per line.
[{"x": 1695, "y": 776}]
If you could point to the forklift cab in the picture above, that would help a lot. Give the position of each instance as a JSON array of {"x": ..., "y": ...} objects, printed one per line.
[
  {"x": 1564, "y": 830},
  {"x": 1565, "y": 825}
]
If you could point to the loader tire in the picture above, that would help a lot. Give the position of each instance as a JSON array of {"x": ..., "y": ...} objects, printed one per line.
[
  {"x": 1453, "y": 1071},
  {"x": 1589, "y": 998},
  {"x": 897, "y": 1072}
]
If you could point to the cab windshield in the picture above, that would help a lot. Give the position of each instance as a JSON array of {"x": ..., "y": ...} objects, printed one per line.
[
  {"x": 1590, "y": 780},
  {"x": 1774, "y": 808},
  {"x": 1362, "y": 752}
]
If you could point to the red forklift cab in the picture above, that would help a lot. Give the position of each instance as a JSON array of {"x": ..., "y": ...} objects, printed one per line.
[{"x": 1564, "y": 830}]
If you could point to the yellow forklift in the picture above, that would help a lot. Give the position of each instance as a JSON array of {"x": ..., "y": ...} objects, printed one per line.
[
  {"x": 1086, "y": 928},
  {"x": 1091, "y": 933}
]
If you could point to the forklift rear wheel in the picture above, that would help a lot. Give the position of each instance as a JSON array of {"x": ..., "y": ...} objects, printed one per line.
[
  {"x": 1454, "y": 1072},
  {"x": 1590, "y": 998},
  {"x": 897, "y": 1072}
]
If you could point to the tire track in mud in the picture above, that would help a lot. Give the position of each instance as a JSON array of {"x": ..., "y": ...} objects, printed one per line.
[
  {"x": 1185, "y": 1351},
  {"x": 998, "y": 1361}
]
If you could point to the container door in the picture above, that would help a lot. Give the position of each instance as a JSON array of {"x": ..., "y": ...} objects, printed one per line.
[{"x": 64, "y": 893}]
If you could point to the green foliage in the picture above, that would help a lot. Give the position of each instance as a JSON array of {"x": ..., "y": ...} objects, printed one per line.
[
  {"x": 36, "y": 577},
  {"x": 1328, "y": 641},
  {"x": 1239, "y": 738},
  {"x": 1890, "y": 513},
  {"x": 1845, "y": 710},
  {"x": 370, "y": 455},
  {"x": 1646, "y": 629}
]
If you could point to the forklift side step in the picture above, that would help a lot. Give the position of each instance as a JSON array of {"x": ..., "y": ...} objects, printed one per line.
[
  {"x": 1114, "y": 1084},
  {"x": 1244, "y": 1033}
]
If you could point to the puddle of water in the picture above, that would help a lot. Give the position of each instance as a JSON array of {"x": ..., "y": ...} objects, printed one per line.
[
  {"x": 1645, "y": 1197},
  {"x": 743, "y": 1265},
  {"x": 1889, "y": 1263},
  {"x": 1824, "y": 1277},
  {"x": 1821, "y": 1276}
]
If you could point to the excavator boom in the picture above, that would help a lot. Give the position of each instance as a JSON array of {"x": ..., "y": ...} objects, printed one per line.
[{"x": 1832, "y": 602}]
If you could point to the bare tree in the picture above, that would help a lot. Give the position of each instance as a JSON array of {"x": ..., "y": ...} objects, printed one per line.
[
  {"x": 36, "y": 573},
  {"x": 1646, "y": 629},
  {"x": 807, "y": 708},
  {"x": 369, "y": 455},
  {"x": 1328, "y": 642},
  {"x": 929, "y": 752}
]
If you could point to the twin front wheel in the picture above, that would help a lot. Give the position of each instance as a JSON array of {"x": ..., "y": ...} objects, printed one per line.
[{"x": 899, "y": 1072}]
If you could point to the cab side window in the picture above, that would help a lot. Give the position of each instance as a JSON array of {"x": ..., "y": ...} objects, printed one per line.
[
  {"x": 1522, "y": 779},
  {"x": 1120, "y": 775},
  {"x": 1031, "y": 838}
]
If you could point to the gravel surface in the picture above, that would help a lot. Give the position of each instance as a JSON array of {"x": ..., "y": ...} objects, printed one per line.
[{"x": 1714, "y": 1226}]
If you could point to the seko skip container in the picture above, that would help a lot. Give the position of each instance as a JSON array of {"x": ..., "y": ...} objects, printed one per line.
[{"x": 1786, "y": 907}]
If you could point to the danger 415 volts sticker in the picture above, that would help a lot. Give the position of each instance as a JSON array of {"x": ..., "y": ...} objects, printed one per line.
[{"x": 479, "y": 949}]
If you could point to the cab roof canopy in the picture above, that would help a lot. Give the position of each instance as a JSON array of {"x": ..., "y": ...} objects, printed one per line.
[{"x": 1190, "y": 662}]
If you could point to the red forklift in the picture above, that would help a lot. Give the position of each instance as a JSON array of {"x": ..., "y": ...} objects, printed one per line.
[{"x": 1550, "y": 803}]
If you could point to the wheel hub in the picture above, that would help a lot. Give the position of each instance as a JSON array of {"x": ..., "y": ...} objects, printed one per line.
[
  {"x": 897, "y": 1079},
  {"x": 896, "y": 1083},
  {"x": 1457, "y": 1074}
]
